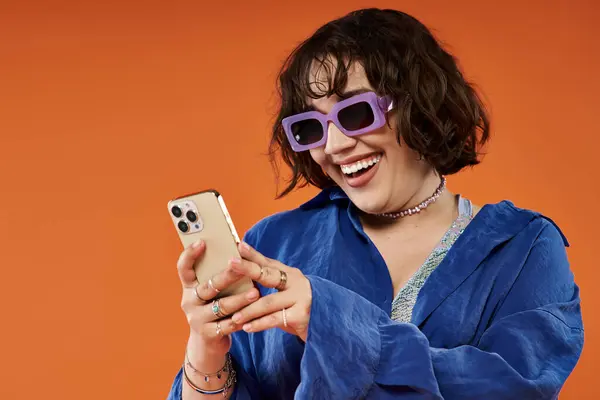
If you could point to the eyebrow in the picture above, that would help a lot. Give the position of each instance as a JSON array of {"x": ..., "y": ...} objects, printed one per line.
[
  {"x": 346, "y": 95},
  {"x": 354, "y": 92}
]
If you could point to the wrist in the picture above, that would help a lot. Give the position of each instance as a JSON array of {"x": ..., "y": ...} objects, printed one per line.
[{"x": 204, "y": 356}]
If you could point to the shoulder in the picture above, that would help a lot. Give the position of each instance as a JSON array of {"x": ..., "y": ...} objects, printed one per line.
[
  {"x": 507, "y": 219},
  {"x": 547, "y": 253},
  {"x": 526, "y": 245},
  {"x": 534, "y": 263},
  {"x": 509, "y": 241}
]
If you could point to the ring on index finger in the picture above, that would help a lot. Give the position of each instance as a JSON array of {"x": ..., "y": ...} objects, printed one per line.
[{"x": 282, "y": 280}]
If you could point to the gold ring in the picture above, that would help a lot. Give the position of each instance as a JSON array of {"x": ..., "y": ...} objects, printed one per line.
[
  {"x": 219, "y": 331},
  {"x": 262, "y": 271},
  {"x": 282, "y": 280},
  {"x": 210, "y": 283},
  {"x": 284, "y": 318}
]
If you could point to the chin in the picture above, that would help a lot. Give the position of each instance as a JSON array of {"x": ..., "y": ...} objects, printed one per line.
[
  {"x": 371, "y": 197},
  {"x": 368, "y": 201}
]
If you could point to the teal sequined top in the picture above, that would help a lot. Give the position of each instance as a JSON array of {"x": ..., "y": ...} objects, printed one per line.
[{"x": 403, "y": 304}]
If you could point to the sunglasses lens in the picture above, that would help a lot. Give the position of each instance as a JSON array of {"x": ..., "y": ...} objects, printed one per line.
[
  {"x": 307, "y": 131},
  {"x": 357, "y": 116}
]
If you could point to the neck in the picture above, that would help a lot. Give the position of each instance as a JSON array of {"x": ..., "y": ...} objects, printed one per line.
[{"x": 443, "y": 209}]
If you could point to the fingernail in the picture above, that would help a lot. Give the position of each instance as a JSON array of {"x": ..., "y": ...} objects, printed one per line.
[
  {"x": 235, "y": 261},
  {"x": 245, "y": 245},
  {"x": 247, "y": 327},
  {"x": 236, "y": 318},
  {"x": 197, "y": 244},
  {"x": 252, "y": 295}
]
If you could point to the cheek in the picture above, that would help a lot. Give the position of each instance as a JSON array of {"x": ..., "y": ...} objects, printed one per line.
[
  {"x": 389, "y": 143},
  {"x": 319, "y": 156}
]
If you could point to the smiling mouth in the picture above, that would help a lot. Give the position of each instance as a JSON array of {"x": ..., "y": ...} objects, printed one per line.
[{"x": 359, "y": 168}]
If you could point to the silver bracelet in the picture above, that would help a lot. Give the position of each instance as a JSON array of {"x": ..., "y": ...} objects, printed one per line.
[{"x": 231, "y": 380}]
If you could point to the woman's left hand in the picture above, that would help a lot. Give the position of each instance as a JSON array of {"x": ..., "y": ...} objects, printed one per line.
[{"x": 288, "y": 309}]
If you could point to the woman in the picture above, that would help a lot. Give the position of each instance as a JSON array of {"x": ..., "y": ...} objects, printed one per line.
[{"x": 385, "y": 285}]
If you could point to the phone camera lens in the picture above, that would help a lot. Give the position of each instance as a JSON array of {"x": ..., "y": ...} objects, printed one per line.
[
  {"x": 183, "y": 226},
  {"x": 176, "y": 211},
  {"x": 191, "y": 216}
]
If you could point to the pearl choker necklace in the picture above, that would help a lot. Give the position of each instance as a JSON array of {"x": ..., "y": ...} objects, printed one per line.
[{"x": 420, "y": 207}]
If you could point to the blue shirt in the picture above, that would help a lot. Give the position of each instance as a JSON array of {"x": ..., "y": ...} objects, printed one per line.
[{"x": 498, "y": 319}]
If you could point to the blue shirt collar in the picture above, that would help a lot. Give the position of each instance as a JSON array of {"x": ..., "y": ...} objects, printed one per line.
[
  {"x": 325, "y": 197},
  {"x": 335, "y": 193}
]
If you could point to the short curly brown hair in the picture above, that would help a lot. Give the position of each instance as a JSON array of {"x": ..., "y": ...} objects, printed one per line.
[{"x": 440, "y": 115}]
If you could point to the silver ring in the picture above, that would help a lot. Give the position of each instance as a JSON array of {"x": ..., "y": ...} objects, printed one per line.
[
  {"x": 198, "y": 296},
  {"x": 262, "y": 271},
  {"x": 210, "y": 283},
  {"x": 219, "y": 331},
  {"x": 216, "y": 309},
  {"x": 284, "y": 317},
  {"x": 282, "y": 280}
]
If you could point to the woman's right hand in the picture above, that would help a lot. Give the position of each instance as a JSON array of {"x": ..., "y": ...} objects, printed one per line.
[{"x": 209, "y": 335}]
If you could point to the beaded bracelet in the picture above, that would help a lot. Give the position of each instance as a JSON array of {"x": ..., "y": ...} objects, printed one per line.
[{"x": 231, "y": 380}]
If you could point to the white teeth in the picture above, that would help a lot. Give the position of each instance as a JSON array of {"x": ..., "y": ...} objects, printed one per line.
[{"x": 362, "y": 164}]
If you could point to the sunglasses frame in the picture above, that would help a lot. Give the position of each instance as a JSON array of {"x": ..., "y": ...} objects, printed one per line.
[{"x": 379, "y": 105}]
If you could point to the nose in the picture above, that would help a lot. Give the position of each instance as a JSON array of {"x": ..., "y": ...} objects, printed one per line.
[{"x": 337, "y": 142}]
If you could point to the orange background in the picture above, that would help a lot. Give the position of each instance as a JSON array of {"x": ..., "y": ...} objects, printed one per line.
[{"x": 108, "y": 110}]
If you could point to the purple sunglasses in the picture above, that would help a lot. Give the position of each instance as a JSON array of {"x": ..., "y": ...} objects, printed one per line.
[{"x": 354, "y": 116}]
